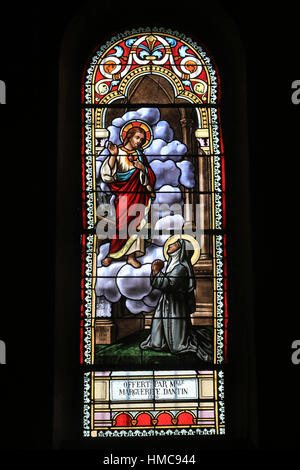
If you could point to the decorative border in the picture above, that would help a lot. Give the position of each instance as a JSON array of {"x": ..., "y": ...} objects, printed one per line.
[
  {"x": 154, "y": 432},
  {"x": 87, "y": 243},
  {"x": 221, "y": 401},
  {"x": 219, "y": 298},
  {"x": 216, "y": 430},
  {"x": 87, "y": 404}
]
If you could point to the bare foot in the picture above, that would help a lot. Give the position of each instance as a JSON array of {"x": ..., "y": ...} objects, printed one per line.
[
  {"x": 132, "y": 260},
  {"x": 106, "y": 261}
]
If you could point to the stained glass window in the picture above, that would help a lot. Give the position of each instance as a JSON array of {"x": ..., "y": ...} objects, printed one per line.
[{"x": 153, "y": 320}]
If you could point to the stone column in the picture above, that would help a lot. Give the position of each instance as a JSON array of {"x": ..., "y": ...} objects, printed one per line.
[
  {"x": 203, "y": 268},
  {"x": 101, "y": 136},
  {"x": 105, "y": 331},
  {"x": 114, "y": 322},
  {"x": 202, "y": 136},
  {"x": 105, "y": 328},
  {"x": 186, "y": 127}
]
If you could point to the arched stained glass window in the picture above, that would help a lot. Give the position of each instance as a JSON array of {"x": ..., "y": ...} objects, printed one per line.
[{"x": 154, "y": 273}]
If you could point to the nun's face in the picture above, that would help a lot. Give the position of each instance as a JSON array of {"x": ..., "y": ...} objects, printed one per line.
[{"x": 173, "y": 247}]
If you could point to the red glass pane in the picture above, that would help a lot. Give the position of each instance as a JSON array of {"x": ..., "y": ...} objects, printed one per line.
[
  {"x": 185, "y": 418},
  {"x": 144, "y": 419},
  {"x": 123, "y": 420},
  {"x": 164, "y": 419}
]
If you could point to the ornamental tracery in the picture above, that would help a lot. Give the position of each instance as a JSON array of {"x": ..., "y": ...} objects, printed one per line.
[{"x": 157, "y": 54}]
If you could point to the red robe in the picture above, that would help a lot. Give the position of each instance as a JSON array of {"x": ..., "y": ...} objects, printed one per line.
[{"x": 129, "y": 192}]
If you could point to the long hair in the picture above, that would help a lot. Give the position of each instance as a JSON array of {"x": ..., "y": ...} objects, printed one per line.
[{"x": 132, "y": 132}]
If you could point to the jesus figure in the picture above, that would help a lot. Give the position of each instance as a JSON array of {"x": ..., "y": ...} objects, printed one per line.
[{"x": 127, "y": 173}]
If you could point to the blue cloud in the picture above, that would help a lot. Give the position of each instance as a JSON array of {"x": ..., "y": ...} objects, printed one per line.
[
  {"x": 187, "y": 177},
  {"x": 165, "y": 172},
  {"x": 163, "y": 130}
]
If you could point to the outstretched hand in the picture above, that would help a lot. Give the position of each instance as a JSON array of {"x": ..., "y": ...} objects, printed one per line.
[{"x": 113, "y": 149}]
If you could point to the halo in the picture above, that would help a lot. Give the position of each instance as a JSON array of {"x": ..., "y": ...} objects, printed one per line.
[
  {"x": 137, "y": 123},
  {"x": 191, "y": 239}
]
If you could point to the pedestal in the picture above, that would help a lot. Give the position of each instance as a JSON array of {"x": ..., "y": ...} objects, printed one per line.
[
  {"x": 109, "y": 330},
  {"x": 203, "y": 315},
  {"x": 105, "y": 331}
]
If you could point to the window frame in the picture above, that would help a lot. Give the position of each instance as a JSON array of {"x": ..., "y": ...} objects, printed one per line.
[{"x": 241, "y": 395}]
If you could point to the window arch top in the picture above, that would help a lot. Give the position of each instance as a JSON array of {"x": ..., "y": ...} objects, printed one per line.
[{"x": 184, "y": 63}]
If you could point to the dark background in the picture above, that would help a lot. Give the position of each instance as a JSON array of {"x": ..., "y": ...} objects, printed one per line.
[{"x": 30, "y": 43}]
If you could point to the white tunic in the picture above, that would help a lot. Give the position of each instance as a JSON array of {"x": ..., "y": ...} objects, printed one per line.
[
  {"x": 122, "y": 164},
  {"x": 109, "y": 175}
]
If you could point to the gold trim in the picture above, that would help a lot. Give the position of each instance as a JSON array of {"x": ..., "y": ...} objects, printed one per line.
[
  {"x": 94, "y": 165},
  {"x": 213, "y": 228},
  {"x": 216, "y": 402},
  {"x": 143, "y": 125},
  {"x": 94, "y": 299},
  {"x": 92, "y": 399},
  {"x": 215, "y": 299},
  {"x": 167, "y": 426},
  {"x": 212, "y": 169},
  {"x": 154, "y": 377},
  {"x": 204, "y": 118}
]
